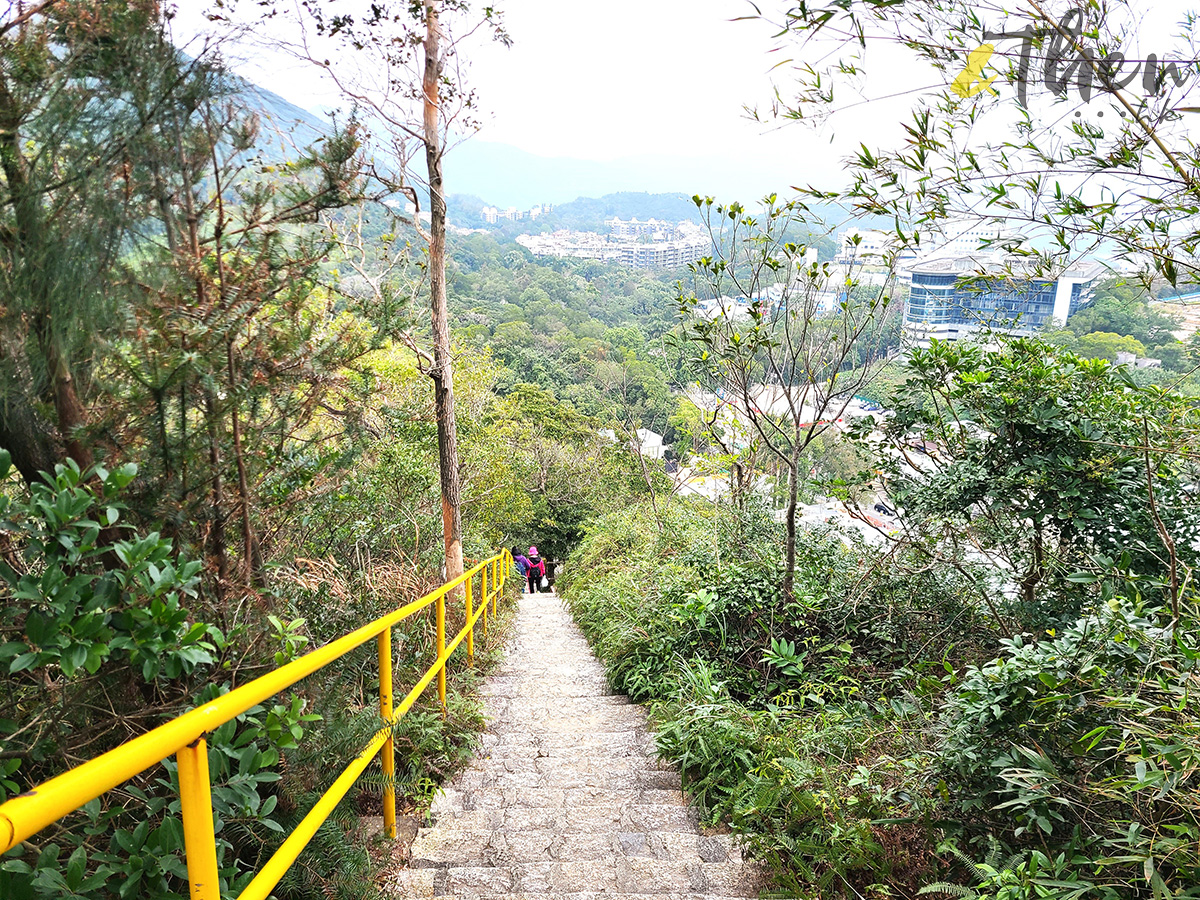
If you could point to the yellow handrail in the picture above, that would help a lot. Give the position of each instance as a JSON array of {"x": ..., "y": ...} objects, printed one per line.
[{"x": 28, "y": 813}]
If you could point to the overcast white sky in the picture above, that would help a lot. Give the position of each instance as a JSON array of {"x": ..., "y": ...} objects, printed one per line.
[
  {"x": 617, "y": 79},
  {"x": 657, "y": 78},
  {"x": 627, "y": 77}
]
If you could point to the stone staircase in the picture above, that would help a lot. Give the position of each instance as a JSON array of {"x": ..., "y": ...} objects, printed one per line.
[{"x": 566, "y": 798}]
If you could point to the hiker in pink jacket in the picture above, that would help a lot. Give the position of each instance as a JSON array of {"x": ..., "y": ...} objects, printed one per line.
[{"x": 537, "y": 570}]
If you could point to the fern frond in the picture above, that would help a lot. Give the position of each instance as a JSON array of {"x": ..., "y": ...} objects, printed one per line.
[{"x": 949, "y": 890}]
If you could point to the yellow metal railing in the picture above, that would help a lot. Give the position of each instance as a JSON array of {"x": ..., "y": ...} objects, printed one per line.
[{"x": 26, "y": 814}]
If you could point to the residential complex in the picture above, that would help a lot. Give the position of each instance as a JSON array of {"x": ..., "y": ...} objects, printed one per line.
[
  {"x": 1186, "y": 309},
  {"x": 652, "y": 229},
  {"x": 867, "y": 246},
  {"x": 814, "y": 289},
  {"x": 965, "y": 280},
  {"x": 738, "y": 308},
  {"x": 863, "y": 245},
  {"x": 639, "y": 245},
  {"x": 492, "y": 215}
]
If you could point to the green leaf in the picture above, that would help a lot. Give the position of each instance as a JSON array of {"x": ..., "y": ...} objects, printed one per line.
[
  {"x": 39, "y": 629},
  {"x": 124, "y": 840},
  {"x": 75, "y": 657},
  {"x": 171, "y": 834},
  {"x": 23, "y": 662},
  {"x": 75, "y": 868}
]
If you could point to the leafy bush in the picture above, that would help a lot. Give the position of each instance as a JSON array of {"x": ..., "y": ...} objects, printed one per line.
[
  {"x": 858, "y": 730},
  {"x": 1090, "y": 737},
  {"x": 1020, "y": 876},
  {"x": 778, "y": 710},
  {"x": 104, "y": 634}
]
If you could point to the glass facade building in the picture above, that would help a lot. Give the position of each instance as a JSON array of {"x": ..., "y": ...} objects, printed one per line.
[{"x": 950, "y": 299}]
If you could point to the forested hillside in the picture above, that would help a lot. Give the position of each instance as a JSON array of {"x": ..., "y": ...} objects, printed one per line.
[
  {"x": 911, "y": 617},
  {"x": 218, "y": 445},
  {"x": 981, "y": 681}
]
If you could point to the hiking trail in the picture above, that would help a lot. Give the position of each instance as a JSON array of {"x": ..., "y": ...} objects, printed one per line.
[{"x": 565, "y": 797}]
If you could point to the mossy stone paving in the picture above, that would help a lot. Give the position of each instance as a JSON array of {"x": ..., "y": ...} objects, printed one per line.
[{"x": 566, "y": 798}]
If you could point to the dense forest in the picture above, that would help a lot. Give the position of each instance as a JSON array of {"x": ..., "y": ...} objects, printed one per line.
[{"x": 221, "y": 447}]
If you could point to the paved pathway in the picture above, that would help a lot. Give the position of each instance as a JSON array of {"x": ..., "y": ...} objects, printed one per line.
[{"x": 566, "y": 798}]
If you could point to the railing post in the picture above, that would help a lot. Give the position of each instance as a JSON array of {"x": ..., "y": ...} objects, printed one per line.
[
  {"x": 441, "y": 648},
  {"x": 470, "y": 625},
  {"x": 387, "y": 757},
  {"x": 483, "y": 598},
  {"x": 199, "y": 841},
  {"x": 497, "y": 567}
]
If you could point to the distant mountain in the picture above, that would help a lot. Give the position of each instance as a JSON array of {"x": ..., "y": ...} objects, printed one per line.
[
  {"x": 282, "y": 117},
  {"x": 588, "y": 214},
  {"x": 508, "y": 176},
  {"x": 583, "y": 214}
]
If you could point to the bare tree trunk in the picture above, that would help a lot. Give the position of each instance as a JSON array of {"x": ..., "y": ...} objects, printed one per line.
[
  {"x": 646, "y": 476},
  {"x": 24, "y": 433},
  {"x": 31, "y": 447},
  {"x": 183, "y": 435},
  {"x": 441, "y": 372},
  {"x": 789, "y": 555},
  {"x": 1037, "y": 569},
  {"x": 250, "y": 546},
  {"x": 72, "y": 415},
  {"x": 217, "y": 534},
  {"x": 738, "y": 487}
]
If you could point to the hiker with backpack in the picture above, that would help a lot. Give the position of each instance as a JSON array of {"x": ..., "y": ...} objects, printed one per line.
[{"x": 537, "y": 570}]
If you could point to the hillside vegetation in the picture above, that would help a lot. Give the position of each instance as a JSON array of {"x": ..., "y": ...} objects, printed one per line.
[
  {"x": 221, "y": 446},
  {"x": 218, "y": 450},
  {"x": 965, "y": 703}
]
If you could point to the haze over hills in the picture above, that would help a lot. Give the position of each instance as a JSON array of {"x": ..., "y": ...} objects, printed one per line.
[
  {"x": 284, "y": 122},
  {"x": 508, "y": 176},
  {"x": 582, "y": 213},
  {"x": 486, "y": 174},
  {"x": 504, "y": 175},
  {"x": 583, "y": 192}
]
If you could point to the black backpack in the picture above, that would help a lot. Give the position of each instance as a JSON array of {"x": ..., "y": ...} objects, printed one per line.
[{"x": 537, "y": 565}]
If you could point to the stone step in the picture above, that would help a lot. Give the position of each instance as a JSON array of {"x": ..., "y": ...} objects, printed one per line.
[
  {"x": 456, "y": 846},
  {"x": 560, "y": 661},
  {"x": 608, "y": 775},
  {"x": 563, "y": 679},
  {"x": 566, "y": 797},
  {"x": 535, "y": 763},
  {"x": 614, "y": 875},
  {"x": 512, "y": 686},
  {"x": 597, "y": 895},
  {"x": 614, "y": 742},
  {"x": 549, "y": 761},
  {"x": 512, "y": 708},
  {"x": 575, "y": 723},
  {"x": 645, "y": 818},
  {"x": 560, "y": 798}
]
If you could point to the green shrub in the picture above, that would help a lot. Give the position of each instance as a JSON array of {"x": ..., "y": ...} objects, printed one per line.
[
  {"x": 1092, "y": 732},
  {"x": 106, "y": 635},
  {"x": 777, "y": 709}
]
